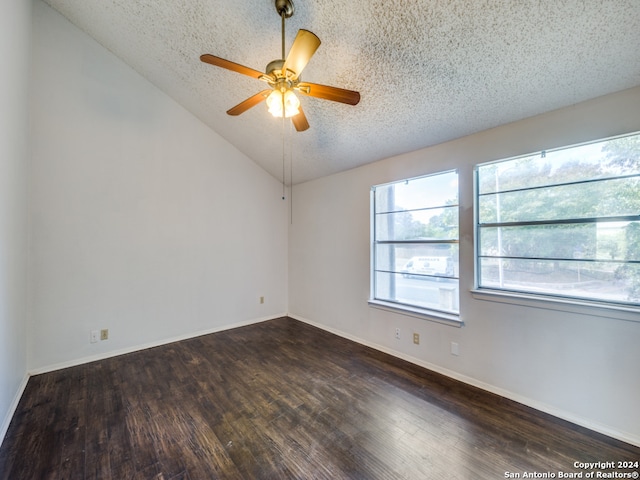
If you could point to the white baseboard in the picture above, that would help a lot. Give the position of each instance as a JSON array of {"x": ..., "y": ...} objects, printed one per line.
[
  {"x": 564, "y": 415},
  {"x": 12, "y": 408},
  {"x": 136, "y": 348}
]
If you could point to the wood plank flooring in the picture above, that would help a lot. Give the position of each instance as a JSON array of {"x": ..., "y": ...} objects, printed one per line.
[{"x": 281, "y": 399}]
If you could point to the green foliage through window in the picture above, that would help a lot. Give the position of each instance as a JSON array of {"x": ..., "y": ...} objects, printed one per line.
[{"x": 564, "y": 222}]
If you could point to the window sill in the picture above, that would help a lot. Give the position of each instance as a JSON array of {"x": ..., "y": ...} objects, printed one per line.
[
  {"x": 583, "y": 307},
  {"x": 444, "y": 318}
]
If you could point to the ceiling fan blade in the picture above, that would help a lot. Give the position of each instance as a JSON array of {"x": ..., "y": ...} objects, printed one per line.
[
  {"x": 303, "y": 48},
  {"x": 334, "y": 94},
  {"x": 300, "y": 121},
  {"x": 248, "y": 103},
  {"x": 229, "y": 65}
]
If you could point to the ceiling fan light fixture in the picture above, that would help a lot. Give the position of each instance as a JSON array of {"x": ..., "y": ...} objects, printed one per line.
[{"x": 276, "y": 100}]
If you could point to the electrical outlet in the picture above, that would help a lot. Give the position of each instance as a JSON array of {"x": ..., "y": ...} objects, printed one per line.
[
  {"x": 398, "y": 333},
  {"x": 104, "y": 334},
  {"x": 95, "y": 335},
  {"x": 261, "y": 299},
  {"x": 416, "y": 338},
  {"x": 455, "y": 349}
]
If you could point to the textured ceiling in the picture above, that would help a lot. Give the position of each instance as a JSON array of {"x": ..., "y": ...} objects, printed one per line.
[{"x": 427, "y": 71}]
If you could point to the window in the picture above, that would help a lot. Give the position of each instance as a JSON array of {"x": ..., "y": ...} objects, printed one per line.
[
  {"x": 562, "y": 223},
  {"x": 415, "y": 245}
]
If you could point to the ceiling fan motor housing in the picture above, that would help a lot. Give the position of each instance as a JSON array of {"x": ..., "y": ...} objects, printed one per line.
[{"x": 274, "y": 66}]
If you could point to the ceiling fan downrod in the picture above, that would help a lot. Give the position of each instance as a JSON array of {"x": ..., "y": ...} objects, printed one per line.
[{"x": 285, "y": 10}]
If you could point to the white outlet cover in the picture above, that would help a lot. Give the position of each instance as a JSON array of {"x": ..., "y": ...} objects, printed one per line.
[{"x": 95, "y": 336}]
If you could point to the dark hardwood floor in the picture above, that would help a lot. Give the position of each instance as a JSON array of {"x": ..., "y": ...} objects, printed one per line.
[{"x": 281, "y": 399}]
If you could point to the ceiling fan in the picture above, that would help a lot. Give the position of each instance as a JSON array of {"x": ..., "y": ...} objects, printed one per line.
[{"x": 283, "y": 77}]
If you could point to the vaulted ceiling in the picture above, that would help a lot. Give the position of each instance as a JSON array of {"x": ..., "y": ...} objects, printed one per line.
[{"x": 427, "y": 71}]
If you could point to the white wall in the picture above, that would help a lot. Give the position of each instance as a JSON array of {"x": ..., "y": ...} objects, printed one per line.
[
  {"x": 15, "y": 31},
  {"x": 143, "y": 220},
  {"x": 580, "y": 367}
]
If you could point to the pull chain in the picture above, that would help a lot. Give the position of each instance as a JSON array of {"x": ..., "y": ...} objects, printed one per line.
[
  {"x": 291, "y": 172},
  {"x": 283, "y": 154}
]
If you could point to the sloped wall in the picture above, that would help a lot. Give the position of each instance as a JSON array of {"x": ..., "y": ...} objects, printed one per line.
[{"x": 143, "y": 220}]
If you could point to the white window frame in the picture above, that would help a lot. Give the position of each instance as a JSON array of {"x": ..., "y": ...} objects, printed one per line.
[
  {"x": 432, "y": 314},
  {"x": 574, "y": 304}
]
